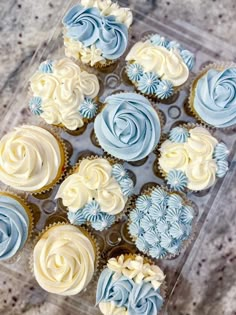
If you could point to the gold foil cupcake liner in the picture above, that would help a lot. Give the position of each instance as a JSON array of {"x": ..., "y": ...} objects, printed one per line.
[
  {"x": 21, "y": 199},
  {"x": 190, "y": 106},
  {"x": 186, "y": 243}
]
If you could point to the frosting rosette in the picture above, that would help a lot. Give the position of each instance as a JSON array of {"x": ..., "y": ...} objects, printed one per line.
[
  {"x": 214, "y": 96},
  {"x": 61, "y": 94},
  {"x": 96, "y": 31},
  {"x": 130, "y": 284},
  {"x": 31, "y": 159},
  {"x": 96, "y": 192},
  {"x": 15, "y": 225},
  {"x": 128, "y": 127},
  {"x": 64, "y": 260},
  {"x": 192, "y": 158}
]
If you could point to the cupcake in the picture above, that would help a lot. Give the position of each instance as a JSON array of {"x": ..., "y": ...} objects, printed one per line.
[
  {"x": 96, "y": 193},
  {"x": 32, "y": 159},
  {"x": 16, "y": 224},
  {"x": 128, "y": 127},
  {"x": 212, "y": 99},
  {"x": 96, "y": 32},
  {"x": 130, "y": 285},
  {"x": 64, "y": 259},
  {"x": 63, "y": 94},
  {"x": 192, "y": 158},
  {"x": 160, "y": 223},
  {"x": 158, "y": 67}
]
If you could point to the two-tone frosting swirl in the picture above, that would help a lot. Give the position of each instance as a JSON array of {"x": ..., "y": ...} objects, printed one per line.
[
  {"x": 31, "y": 158},
  {"x": 128, "y": 127},
  {"x": 215, "y": 97},
  {"x": 64, "y": 260},
  {"x": 14, "y": 226}
]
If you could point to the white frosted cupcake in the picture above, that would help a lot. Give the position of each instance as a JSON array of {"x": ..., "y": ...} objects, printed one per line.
[{"x": 63, "y": 94}]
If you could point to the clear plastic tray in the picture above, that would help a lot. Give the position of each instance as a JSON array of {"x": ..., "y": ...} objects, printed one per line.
[{"x": 113, "y": 79}]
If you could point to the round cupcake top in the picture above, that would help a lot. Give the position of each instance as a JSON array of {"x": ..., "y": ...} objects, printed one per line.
[
  {"x": 96, "y": 31},
  {"x": 160, "y": 223},
  {"x": 96, "y": 192},
  {"x": 64, "y": 260},
  {"x": 128, "y": 127},
  {"x": 14, "y": 226},
  {"x": 192, "y": 158},
  {"x": 30, "y": 158},
  {"x": 130, "y": 285},
  {"x": 156, "y": 66},
  {"x": 215, "y": 97},
  {"x": 63, "y": 94}
]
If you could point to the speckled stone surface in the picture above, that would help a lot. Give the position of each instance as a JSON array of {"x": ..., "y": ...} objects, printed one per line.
[{"x": 208, "y": 282}]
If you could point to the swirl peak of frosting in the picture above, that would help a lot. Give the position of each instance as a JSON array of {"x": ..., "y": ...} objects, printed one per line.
[
  {"x": 128, "y": 127},
  {"x": 215, "y": 97}
]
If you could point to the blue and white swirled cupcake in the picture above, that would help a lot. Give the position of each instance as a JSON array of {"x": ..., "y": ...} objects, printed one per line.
[
  {"x": 63, "y": 94},
  {"x": 96, "y": 32},
  {"x": 191, "y": 158},
  {"x": 96, "y": 193},
  {"x": 160, "y": 222},
  {"x": 213, "y": 96},
  {"x": 131, "y": 285},
  {"x": 16, "y": 224},
  {"x": 158, "y": 67},
  {"x": 128, "y": 127}
]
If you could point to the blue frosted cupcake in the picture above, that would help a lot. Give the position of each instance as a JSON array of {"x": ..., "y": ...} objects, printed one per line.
[
  {"x": 213, "y": 96},
  {"x": 128, "y": 127},
  {"x": 96, "y": 32},
  {"x": 160, "y": 222},
  {"x": 96, "y": 193},
  {"x": 130, "y": 285},
  {"x": 16, "y": 224},
  {"x": 159, "y": 67}
]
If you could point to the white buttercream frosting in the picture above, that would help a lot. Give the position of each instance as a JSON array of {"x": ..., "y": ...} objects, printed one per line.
[{"x": 30, "y": 158}]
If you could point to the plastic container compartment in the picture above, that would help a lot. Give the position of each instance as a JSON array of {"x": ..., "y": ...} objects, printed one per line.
[{"x": 113, "y": 79}]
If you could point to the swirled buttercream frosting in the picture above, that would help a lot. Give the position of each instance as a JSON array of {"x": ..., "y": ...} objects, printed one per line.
[
  {"x": 64, "y": 260},
  {"x": 14, "y": 226},
  {"x": 215, "y": 97},
  {"x": 31, "y": 158},
  {"x": 65, "y": 95},
  {"x": 128, "y": 127},
  {"x": 130, "y": 285},
  {"x": 191, "y": 157},
  {"x": 96, "y": 31}
]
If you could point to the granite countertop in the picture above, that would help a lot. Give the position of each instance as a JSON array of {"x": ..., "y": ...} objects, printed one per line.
[{"x": 208, "y": 285}]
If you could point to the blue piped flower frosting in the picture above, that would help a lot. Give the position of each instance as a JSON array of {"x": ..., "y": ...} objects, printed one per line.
[
  {"x": 35, "y": 105},
  {"x": 134, "y": 72},
  {"x": 177, "y": 180},
  {"x": 126, "y": 287},
  {"x": 46, "y": 66},
  {"x": 88, "y": 108},
  {"x": 164, "y": 89},
  {"x": 221, "y": 152},
  {"x": 179, "y": 135},
  {"x": 159, "y": 40},
  {"x": 161, "y": 229},
  {"x": 96, "y": 193},
  {"x": 148, "y": 83}
]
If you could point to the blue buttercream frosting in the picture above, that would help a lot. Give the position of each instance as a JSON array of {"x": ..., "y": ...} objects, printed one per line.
[
  {"x": 174, "y": 44},
  {"x": 14, "y": 225},
  {"x": 35, "y": 105},
  {"x": 221, "y": 152},
  {"x": 119, "y": 172},
  {"x": 188, "y": 58},
  {"x": 88, "y": 108},
  {"x": 134, "y": 71},
  {"x": 46, "y": 66},
  {"x": 177, "y": 180},
  {"x": 92, "y": 211},
  {"x": 144, "y": 300},
  {"x": 76, "y": 218},
  {"x": 103, "y": 222},
  {"x": 179, "y": 135},
  {"x": 215, "y": 97},
  {"x": 89, "y": 27},
  {"x": 222, "y": 168},
  {"x": 128, "y": 127},
  {"x": 148, "y": 83},
  {"x": 143, "y": 203},
  {"x": 127, "y": 186},
  {"x": 158, "y": 40},
  {"x": 164, "y": 89},
  {"x": 161, "y": 228}
]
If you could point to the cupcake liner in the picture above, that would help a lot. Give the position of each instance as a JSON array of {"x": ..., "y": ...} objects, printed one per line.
[
  {"x": 85, "y": 231},
  {"x": 188, "y": 126},
  {"x": 112, "y": 161},
  {"x": 190, "y": 105},
  {"x": 22, "y": 200},
  {"x": 185, "y": 244}
]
